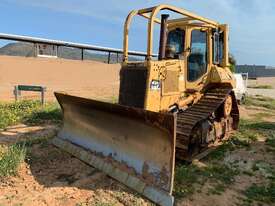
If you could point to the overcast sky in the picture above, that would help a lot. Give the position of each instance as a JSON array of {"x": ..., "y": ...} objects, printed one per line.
[{"x": 252, "y": 22}]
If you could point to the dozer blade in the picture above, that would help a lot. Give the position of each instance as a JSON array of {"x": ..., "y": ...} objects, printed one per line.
[{"x": 134, "y": 146}]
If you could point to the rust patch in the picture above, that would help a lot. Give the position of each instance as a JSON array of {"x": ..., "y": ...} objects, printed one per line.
[{"x": 159, "y": 180}]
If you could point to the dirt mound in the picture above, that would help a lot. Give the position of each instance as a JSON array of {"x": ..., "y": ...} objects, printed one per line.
[{"x": 84, "y": 78}]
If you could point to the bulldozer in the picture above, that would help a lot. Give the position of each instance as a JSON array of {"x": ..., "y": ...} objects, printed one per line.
[{"x": 170, "y": 107}]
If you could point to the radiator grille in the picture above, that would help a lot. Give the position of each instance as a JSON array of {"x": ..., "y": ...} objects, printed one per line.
[{"x": 133, "y": 86}]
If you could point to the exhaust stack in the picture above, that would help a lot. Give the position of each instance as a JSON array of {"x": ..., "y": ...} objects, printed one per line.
[{"x": 163, "y": 36}]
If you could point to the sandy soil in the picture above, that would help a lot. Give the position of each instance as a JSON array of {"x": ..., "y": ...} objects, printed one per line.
[
  {"x": 83, "y": 78},
  {"x": 262, "y": 81},
  {"x": 22, "y": 132},
  {"x": 53, "y": 177}
]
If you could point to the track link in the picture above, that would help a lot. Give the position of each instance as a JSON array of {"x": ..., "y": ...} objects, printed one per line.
[{"x": 208, "y": 108}]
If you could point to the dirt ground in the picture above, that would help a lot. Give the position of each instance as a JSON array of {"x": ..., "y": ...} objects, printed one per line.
[
  {"x": 83, "y": 78},
  {"x": 53, "y": 177}
]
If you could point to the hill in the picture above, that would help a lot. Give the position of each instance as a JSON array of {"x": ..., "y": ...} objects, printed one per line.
[{"x": 18, "y": 49}]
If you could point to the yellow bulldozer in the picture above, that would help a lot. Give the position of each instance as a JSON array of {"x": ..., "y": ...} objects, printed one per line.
[{"x": 172, "y": 107}]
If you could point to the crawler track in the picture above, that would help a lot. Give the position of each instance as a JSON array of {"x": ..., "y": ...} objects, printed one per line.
[{"x": 192, "y": 134}]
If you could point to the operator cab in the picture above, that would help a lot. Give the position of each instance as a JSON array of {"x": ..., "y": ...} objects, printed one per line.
[{"x": 197, "y": 52}]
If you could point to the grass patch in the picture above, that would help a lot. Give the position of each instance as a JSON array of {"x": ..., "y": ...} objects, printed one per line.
[
  {"x": 11, "y": 158},
  {"x": 187, "y": 176},
  {"x": 260, "y": 86},
  {"x": 260, "y": 101},
  {"x": 223, "y": 173},
  {"x": 49, "y": 113},
  {"x": 262, "y": 115},
  {"x": 264, "y": 169},
  {"x": 27, "y": 111},
  {"x": 250, "y": 127},
  {"x": 270, "y": 142},
  {"x": 261, "y": 193},
  {"x": 220, "y": 152},
  {"x": 32, "y": 141}
]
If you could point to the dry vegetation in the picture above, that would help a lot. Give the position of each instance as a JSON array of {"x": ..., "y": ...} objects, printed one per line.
[
  {"x": 33, "y": 172},
  {"x": 261, "y": 87}
]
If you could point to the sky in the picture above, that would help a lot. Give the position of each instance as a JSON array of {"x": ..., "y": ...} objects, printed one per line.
[{"x": 101, "y": 22}]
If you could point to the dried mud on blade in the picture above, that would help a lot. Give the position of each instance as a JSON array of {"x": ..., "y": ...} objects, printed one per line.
[{"x": 134, "y": 146}]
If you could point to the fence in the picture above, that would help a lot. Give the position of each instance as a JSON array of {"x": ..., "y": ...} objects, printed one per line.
[{"x": 55, "y": 45}]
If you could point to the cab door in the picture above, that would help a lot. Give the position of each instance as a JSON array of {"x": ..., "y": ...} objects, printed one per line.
[{"x": 197, "y": 63}]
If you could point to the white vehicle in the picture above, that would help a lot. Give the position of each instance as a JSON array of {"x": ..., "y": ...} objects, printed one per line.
[{"x": 241, "y": 87}]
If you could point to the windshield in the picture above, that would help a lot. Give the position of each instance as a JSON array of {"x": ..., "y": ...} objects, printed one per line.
[
  {"x": 175, "y": 43},
  {"x": 197, "y": 60}
]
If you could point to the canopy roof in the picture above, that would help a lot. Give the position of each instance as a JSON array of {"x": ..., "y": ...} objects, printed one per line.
[{"x": 151, "y": 14}]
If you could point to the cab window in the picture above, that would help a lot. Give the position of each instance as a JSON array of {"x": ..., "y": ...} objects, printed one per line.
[
  {"x": 221, "y": 47},
  {"x": 175, "y": 43},
  {"x": 218, "y": 48},
  {"x": 197, "y": 60}
]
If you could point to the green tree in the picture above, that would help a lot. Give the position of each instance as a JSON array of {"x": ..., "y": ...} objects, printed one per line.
[{"x": 232, "y": 62}]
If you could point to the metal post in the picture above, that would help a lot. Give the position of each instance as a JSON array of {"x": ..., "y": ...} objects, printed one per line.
[
  {"x": 109, "y": 57},
  {"x": 16, "y": 93},
  {"x": 35, "y": 52},
  {"x": 82, "y": 54},
  {"x": 116, "y": 57},
  {"x": 43, "y": 90},
  {"x": 57, "y": 51}
]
